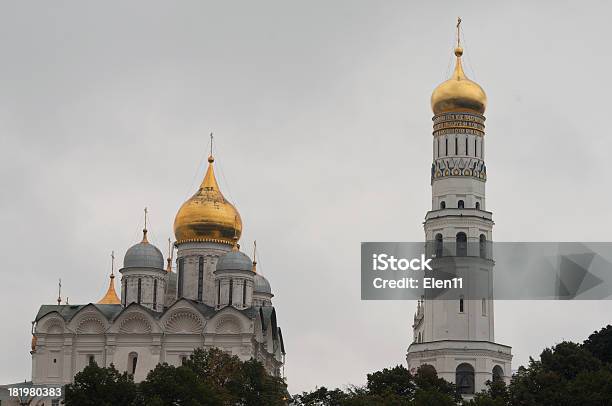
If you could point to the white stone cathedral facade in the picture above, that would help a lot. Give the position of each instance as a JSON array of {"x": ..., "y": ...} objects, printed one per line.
[
  {"x": 213, "y": 298},
  {"x": 456, "y": 336}
]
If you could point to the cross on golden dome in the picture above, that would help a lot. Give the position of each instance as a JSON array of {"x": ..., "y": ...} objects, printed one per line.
[
  {"x": 208, "y": 216},
  {"x": 458, "y": 94}
]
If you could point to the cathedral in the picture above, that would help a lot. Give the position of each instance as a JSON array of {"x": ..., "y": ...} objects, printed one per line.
[
  {"x": 215, "y": 298},
  {"x": 456, "y": 336}
]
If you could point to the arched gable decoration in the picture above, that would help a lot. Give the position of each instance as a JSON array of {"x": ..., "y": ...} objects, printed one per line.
[
  {"x": 183, "y": 317},
  {"x": 134, "y": 323},
  {"x": 88, "y": 320},
  {"x": 91, "y": 325},
  {"x": 229, "y": 321},
  {"x": 135, "y": 319},
  {"x": 184, "y": 321},
  {"x": 53, "y": 325},
  {"x": 228, "y": 325}
]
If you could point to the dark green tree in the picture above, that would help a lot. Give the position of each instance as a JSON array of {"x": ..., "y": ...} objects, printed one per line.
[
  {"x": 600, "y": 344},
  {"x": 495, "y": 394},
  {"x": 95, "y": 386},
  {"x": 321, "y": 397},
  {"x": 395, "y": 381},
  {"x": 170, "y": 385},
  {"x": 433, "y": 389},
  {"x": 255, "y": 387}
]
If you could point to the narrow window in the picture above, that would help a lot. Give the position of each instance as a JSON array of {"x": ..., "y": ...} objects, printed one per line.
[
  {"x": 484, "y": 306},
  {"x": 483, "y": 246},
  {"x": 461, "y": 240},
  {"x": 456, "y": 146},
  {"x": 466, "y": 145},
  {"x": 438, "y": 146},
  {"x": 461, "y": 204},
  {"x": 477, "y": 205},
  {"x": 200, "y": 277},
  {"x": 91, "y": 359},
  {"x": 139, "y": 290},
  {"x": 218, "y": 293},
  {"x": 461, "y": 305},
  {"x": 181, "y": 266},
  {"x": 442, "y": 204},
  {"x": 475, "y": 147},
  {"x": 244, "y": 283},
  {"x": 439, "y": 246},
  {"x": 124, "y": 292},
  {"x": 231, "y": 291},
  {"x": 155, "y": 294},
  {"x": 446, "y": 147},
  {"x": 132, "y": 362}
]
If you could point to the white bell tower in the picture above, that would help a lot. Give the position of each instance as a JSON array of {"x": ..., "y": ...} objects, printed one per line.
[{"x": 456, "y": 336}]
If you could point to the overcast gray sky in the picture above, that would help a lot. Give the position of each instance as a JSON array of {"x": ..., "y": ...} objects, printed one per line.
[{"x": 323, "y": 134}]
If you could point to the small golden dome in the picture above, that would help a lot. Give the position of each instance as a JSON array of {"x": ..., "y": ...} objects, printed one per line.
[
  {"x": 111, "y": 296},
  {"x": 458, "y": 94},
  {"x": 207, "y": 215}
]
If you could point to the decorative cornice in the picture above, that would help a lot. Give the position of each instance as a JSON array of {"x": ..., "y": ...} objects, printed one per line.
[
  {"x": 459, "y": 166},
  {"x": 204, "y": 239},
  {"x": 458, "y": 123}
]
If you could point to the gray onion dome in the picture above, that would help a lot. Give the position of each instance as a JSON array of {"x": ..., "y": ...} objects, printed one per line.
[{"x": 143, "y": 255}]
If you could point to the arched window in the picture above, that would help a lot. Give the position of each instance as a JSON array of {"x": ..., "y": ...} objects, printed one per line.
[
  {"x": 461, "y": 204},
  {"x": 461, "y": 305},
  {"x": 464, "y": 377},
  {"x": 446, "y": 146},
  {"x": 244, "y": 292},
  {"x": 439, "y": 245},
  {"x": 181, "y": 271},
  {"x": 498, "y": 373},
  {"x": 231, "y": 291},
  {"x": 475, "y": 147},
  {"x": 132, "y": 362},
  {"x": 483, "y": 246},
  {"x": 155, "y": 294},
  {"x": 419, "y": 338},
  {"x": 442, "y": 204},
  {"x": 466, "y": 145},
  {"x": 456, "y": 146},
  {"x": 200, "y": 278},
  {"x": 477, "y": 205},
  {"x": 461, "y": 240},
  {"x": 139, "y": 290}
]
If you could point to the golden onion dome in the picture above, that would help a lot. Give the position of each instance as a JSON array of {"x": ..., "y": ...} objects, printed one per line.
[
  {"x": 207, "y": 216},
  {"x": 458, "y": 94},
  {"x": 111, "y": 296}
]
